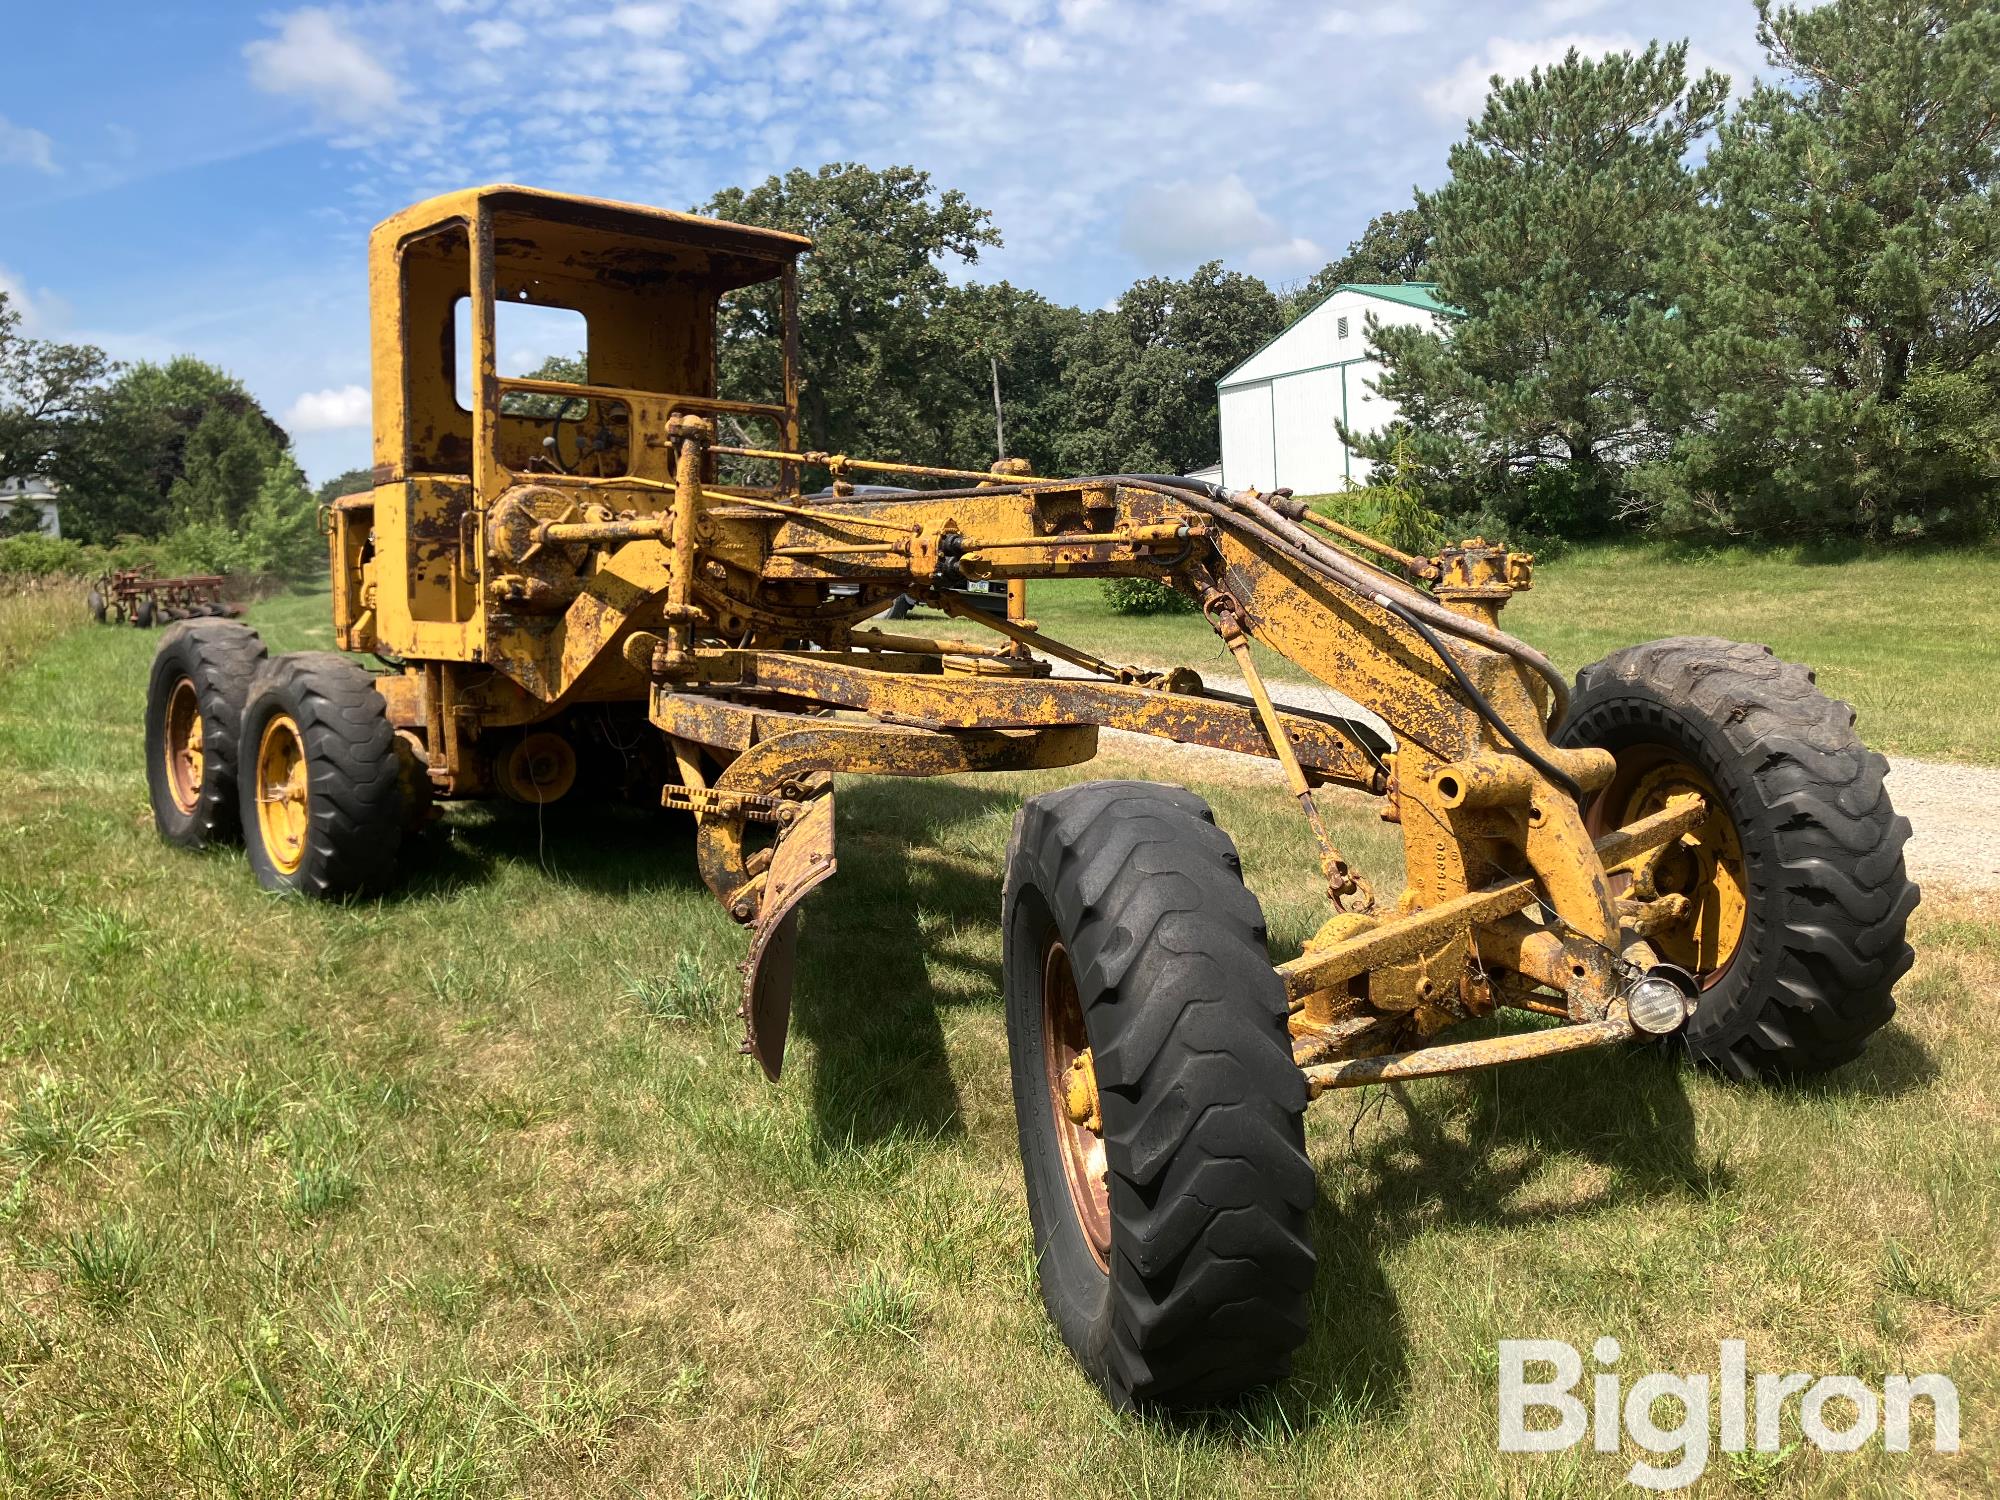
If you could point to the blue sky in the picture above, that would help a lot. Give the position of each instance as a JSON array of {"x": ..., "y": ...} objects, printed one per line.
[{"x": 201, "y": 178}]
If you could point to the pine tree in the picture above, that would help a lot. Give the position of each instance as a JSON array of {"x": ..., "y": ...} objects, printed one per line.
[
  {"x": 1841, "y": 295},
  {"x": 222, "y": 466},
  {"x": 1407, "y": 521},
  {"x": 1550, "y": 236}
]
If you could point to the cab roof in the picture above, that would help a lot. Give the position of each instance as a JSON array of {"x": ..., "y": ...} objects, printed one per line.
[{"x": 625, "y": 222}]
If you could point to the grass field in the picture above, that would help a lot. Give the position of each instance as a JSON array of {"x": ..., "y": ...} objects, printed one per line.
[
  {"x": 467, "y": 1193},
  {"x": 1909, "y": 639}
]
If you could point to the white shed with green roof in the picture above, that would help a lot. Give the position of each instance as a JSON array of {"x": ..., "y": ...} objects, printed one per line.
[{"x": 1280, "y": 405}]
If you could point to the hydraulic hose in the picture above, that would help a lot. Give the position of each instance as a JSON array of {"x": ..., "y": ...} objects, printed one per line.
[{"x": 1479, "y": 701}]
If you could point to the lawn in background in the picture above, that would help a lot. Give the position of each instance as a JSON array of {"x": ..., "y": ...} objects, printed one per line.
[
  {"x": 466, "y": 1192},
  {"x": 1910, "y": 639}
]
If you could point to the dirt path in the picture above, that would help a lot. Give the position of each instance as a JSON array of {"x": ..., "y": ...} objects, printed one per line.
[
  {"x": 1954, "y": 814},
  {"x": 1954, "y": 810}
]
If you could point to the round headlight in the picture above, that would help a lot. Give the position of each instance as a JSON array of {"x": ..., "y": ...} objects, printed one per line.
[{"x": 1657, "y": 1005}]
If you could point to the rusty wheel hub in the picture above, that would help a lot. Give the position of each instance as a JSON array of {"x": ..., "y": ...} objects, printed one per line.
[
  {"x": 185, "y": 763},
  {"x": 1076, "y": 1114},
  {"x": 1705, "y": 865}
]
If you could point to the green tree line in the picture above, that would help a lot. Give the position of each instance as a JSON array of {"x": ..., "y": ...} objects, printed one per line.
[
  {"x": 174, "y": 463},
  {"x": 903, "y": 363},
  {"x": 1777, "y": 320},
  {"x": 1774, "y": 319}
]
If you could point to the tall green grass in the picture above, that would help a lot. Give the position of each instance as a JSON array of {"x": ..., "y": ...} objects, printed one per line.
[{"x": 466, "y": 1191}]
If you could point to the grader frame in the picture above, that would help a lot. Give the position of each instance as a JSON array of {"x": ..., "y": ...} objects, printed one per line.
[{"x": 513, "y": 585}]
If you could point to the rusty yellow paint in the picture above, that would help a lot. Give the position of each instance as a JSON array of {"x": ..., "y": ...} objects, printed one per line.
[
  {"x": 1464, "y": 1057},
  {"x": 624, "y": 546},
  {"x": 1080, "y": 1101},
  {"x": 1700, "y": 879},
  {"x": 1334, "y": 962}
]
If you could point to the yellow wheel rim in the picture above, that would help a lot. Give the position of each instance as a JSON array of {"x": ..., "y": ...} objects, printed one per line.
[
  {"x": 1705, "y": 864},
  {"x": 283, "y": 807},
  {"x": 183, "y": 747}
]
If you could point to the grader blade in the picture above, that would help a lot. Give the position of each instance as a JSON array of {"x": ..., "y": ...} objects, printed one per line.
[{"x": 801, "y": 862}]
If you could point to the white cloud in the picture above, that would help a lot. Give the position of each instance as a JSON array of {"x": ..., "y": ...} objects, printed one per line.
[
  {"x": 669, "y": 101},
  {"x": 21, "y": 146},
  {"x": 316, "y": 58},
  {"x": 662, "y": 67},
  {"x": 1236, "y": 93},
  {"x": 1286, "y": 259},
  {"x": 1085, "y": 15},
  {"x": 41, "y": 313},
  {"x": 331, "y": 409},
  {"x": 496, "y": 36},
  {"x": 1556, "y": 12},
  {"x": 1397, "y": 19},
  {"x": 1171, "y": 225},
  {"x": 647, "y": 22},
  {"x": 1462, "y": 92}
]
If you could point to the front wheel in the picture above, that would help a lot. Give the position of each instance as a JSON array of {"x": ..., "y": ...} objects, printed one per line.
[
  {"x": 321, "y": 785},
  {"x": 1161, "y": 1115},
  {"x": 1796, "y": 896}
]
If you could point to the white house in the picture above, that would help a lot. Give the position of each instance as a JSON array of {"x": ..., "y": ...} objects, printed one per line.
[
  {"x": 39, "y": 495},
  {"x": 1280, "y": 405}
]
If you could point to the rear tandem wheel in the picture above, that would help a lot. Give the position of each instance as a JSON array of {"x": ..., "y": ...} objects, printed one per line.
[
  {"x": 322, "y": 790},
  {"x": 194, "y": 710}
]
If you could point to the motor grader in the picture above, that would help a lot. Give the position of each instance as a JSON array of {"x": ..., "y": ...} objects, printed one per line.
[{"x": 1689, "y": 846}]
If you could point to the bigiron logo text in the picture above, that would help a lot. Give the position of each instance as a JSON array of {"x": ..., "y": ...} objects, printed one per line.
[{"x": 1835, "y": 1413}]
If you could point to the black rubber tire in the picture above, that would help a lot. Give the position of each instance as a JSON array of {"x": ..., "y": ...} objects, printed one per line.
[
  {"x": 1211, "y": 1263},
  {"x": 94, "y": 602},
  {"x": 143, "y": 612},
  {"x": 220, "y": 657},
  {"x": 353, "y": 777},
  {"x": 1826, "y": 895}
]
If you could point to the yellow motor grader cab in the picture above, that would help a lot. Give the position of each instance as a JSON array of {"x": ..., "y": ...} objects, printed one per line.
[
  {"x": 1689, "y": 846},
  {"x": 413, "y": 578}
]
